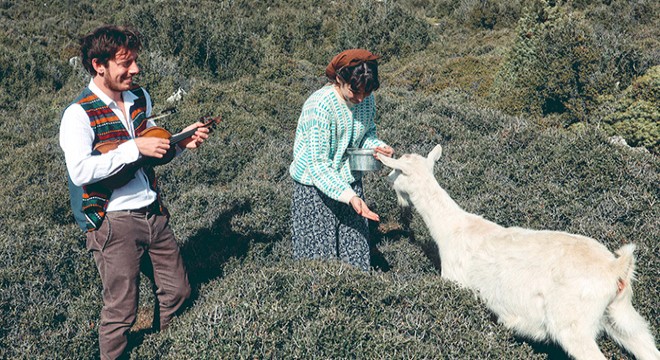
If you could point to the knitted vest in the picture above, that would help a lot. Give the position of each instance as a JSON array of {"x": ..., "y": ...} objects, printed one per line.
[{"x": 89, "y": 202}]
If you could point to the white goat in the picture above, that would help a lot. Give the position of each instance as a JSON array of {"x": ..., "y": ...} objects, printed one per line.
[{"x": 545, "y": 285}]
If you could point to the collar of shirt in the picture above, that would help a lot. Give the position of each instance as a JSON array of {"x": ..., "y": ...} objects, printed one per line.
[{"x": 129, "y": 99}]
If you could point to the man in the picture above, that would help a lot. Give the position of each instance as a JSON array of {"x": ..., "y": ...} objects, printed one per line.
[{"x": 127, "y": 223}]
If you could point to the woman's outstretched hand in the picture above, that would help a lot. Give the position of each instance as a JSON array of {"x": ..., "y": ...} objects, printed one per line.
[
  {"x": 385, "y": 150},
  {"x": 362, "y": 209}
]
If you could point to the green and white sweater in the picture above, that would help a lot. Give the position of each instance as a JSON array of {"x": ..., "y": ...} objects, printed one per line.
[{"x": 326, "y": 128}]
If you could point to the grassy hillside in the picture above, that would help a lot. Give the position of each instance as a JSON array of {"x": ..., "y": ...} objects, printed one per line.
[{"x": 523, "y": 96}]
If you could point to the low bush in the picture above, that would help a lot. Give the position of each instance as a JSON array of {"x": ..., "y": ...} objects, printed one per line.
[
  {"x": 222, "y": 43},
  {"x": 254, "y": 63},
  {"x": 634, "y": 115},
  {"x": 261, "y": 313},
  {"x": 561, "y": 62},
  {"x": 383, "y": 27},
  {"x": 428, "y": 73},
  {"x": 49, "y": 296},
  {"x": 550, "y": 63},
  {"x": 25, "y": 77},
  {"x": 488, "y": 14}
]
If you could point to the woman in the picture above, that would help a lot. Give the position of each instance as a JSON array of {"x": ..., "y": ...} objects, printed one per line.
[{"x": 329, "y": 215}]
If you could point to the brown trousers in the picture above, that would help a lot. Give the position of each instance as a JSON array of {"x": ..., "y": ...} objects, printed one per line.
[{"x": 119, "y": 246}]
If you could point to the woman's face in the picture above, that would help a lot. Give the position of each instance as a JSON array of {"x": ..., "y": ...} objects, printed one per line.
[{"x": 354, "y": 97}]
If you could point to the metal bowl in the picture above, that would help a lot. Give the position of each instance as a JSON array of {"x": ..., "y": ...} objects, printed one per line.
[{"x": 362, "y": 160}]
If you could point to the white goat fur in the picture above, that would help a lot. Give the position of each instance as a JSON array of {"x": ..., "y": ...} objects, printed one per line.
[{"x": 544, "y": 285}]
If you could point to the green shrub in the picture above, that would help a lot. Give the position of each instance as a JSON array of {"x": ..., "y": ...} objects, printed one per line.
[
  {"x": 384, "y": 28},
  {"x": 301, "y": 31},
  {"x": 434, "y": 9},
  {"x": 622, "y": 15},
  {"x": 634, "y": 115},
  {"x": 221, "y": 43},
  {"x": 471, "y": 74},
  {"x": 550, "y": 64},
  {"x": 562, "y": 61},
  {"x": 626, "y": 40},
  {"x": 28, "y": 72},
  {"x": 488, "y": 14}
]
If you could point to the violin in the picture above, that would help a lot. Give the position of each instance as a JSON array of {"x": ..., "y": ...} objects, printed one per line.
[{"x": 127, "y": 172}]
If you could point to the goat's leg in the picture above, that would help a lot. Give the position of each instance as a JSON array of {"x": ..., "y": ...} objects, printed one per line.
[
  {"x": 580, "y": 345},
  {"x": 625, "y": 326}
]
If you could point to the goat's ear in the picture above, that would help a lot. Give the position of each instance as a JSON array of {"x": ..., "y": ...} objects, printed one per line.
[
  {"x": 435, "y": 154},
  {"x": 397, "y": 164}
]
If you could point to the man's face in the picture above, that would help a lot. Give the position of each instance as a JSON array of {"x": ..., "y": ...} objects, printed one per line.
[{"x": 118, "y": 73}]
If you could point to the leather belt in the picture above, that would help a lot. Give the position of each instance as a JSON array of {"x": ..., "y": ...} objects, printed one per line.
[{"x": 145, "y": 209}]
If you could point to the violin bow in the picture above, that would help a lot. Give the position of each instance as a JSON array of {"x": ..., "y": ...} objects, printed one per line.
[{"x": 165, "y": 113}]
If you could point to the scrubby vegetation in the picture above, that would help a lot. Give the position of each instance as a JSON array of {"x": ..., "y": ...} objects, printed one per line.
[
  {"x": 634, "y": 113},
  {"x": 523, "y": 95}
]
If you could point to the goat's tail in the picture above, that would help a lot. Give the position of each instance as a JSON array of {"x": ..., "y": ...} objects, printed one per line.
[
  {"x": 623, "y": 323},
  {"x": 624, "y": 267}
]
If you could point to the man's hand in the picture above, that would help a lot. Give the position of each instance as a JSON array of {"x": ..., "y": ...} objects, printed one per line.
[
  {"x": 152, "y": 146},
  {"x": 361, "y": 208},
  {"x": 197, "y": 139}
]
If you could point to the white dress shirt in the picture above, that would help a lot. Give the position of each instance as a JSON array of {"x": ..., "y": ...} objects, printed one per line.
[{"x": 76, "y": 138}]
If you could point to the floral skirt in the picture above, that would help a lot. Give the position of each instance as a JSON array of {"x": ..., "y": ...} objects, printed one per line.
[{"x": 323, "y": 228}]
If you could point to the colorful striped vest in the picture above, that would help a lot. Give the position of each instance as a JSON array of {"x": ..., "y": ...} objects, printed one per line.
[{"x": 89, "y": 202}]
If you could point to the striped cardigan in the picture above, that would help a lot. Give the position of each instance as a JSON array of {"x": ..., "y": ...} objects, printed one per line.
[{"x": 326, "y": 128}]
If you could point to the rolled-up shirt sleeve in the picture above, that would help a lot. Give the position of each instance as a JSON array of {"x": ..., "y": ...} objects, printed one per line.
[{"x": 76, "y": 139}]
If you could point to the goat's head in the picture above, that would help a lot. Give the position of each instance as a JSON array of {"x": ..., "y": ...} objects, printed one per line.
[{"x": 411, "y": 173}]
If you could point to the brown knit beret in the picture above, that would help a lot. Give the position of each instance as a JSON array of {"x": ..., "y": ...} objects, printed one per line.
[{"x": 351, "y": 57}]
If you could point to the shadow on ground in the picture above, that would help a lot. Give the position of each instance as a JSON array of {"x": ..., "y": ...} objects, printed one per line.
[{"x": 205, "y": 254}]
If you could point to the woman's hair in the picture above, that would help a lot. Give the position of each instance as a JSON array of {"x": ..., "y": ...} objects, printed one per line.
[
  {"x": 362, "y": 77},
  {"x": 104, "y": 42}
]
